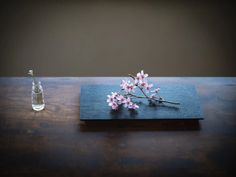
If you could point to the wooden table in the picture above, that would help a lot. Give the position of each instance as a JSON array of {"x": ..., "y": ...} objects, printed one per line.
[{"x": 55, "y": 143}]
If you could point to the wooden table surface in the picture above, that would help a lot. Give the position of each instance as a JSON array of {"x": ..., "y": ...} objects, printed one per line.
[{"x": 55, "y": 143}]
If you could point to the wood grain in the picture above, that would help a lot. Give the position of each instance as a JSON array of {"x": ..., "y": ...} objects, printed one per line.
[{"x": 55, "y": 143}]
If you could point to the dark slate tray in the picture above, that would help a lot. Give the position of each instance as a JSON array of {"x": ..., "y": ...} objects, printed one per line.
[{"x": 93, "y": 105}]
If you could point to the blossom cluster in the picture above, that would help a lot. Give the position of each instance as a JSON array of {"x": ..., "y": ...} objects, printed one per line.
[
  {"x": 139, "y": 81},
  {"x": 128, "y": 88},
  {"x": 115, "y": 100}
]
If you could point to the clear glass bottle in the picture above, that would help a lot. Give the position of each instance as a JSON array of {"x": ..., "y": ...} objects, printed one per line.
[{"x": 37, "y": 96}]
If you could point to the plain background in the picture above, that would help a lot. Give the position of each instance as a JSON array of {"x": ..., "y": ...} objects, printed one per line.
[{"x": 114, "y": 38}]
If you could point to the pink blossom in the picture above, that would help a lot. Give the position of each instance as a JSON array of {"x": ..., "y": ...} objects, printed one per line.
[
  {"x": 127, "y": 102},
  {"x": 121, "y": 99},
  {"x": 114, "y": 94},
  {"x": 148, "y": 87},
  {"x": 127, "y": 86},
  {"x": 123, "y": 84},
  {"x": 110, "y": 99},
  {"x": 143, "y": 83},
  {"x": 141, "y": 75},
  {"x": 133, "y": 106},
  {"x": 114, "y": 105}
]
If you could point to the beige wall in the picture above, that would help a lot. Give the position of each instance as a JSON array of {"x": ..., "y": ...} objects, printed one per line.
[{"x": 113, "y": 38}]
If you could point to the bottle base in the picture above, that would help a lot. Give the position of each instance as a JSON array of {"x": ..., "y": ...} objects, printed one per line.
[{"x": 38, "y": 107}]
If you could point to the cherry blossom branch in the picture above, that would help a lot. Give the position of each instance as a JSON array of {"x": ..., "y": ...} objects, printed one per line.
[
  {"x": 160, "y": 100},
  {"x": 117, "y": 99}
]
